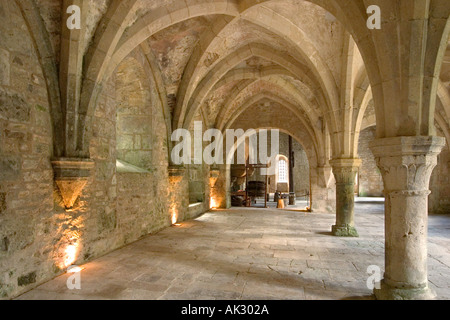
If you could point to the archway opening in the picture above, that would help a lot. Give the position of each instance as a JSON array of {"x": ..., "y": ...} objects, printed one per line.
[{"x": 277, "y": 178}]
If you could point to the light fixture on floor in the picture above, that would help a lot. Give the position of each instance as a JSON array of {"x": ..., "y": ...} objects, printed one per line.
[
  {"x": 75, "y": 269},
  {"x": 213, "y": 203}
]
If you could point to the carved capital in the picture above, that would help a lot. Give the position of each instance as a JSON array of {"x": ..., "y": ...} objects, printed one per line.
[
  {"x": 407, "y": 163},
  {"x": 177, "y": 171},
  {"x": 176, "y": 174},
  {"x": 213, "y": 177},
  {"x": 345, "y": 170}
]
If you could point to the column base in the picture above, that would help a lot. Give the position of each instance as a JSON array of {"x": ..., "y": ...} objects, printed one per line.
[
  {"x": 390, "y": 293},
  {"x": 344, "y": 231}
]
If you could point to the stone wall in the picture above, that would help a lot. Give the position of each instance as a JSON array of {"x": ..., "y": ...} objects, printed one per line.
[
  {"x": 439, "y": 199},
  {"x": 134, "y": 114},
  {"x": 370, "y": 179},
  {"x": 371, "y": 183},
  {"x": 322, "y": 187},
  {"x": 121, "y": 207},
  {"x": 301, "y": 168},
  {"x": 29, "y": 229},
  {"x": 39, "y": 238}
]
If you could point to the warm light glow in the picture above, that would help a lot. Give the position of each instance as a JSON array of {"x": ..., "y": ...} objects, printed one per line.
[
  {"x": 174, "y": 217},
  {"x": 213, "y": 203},
  {"x": 70, "y": 255}
]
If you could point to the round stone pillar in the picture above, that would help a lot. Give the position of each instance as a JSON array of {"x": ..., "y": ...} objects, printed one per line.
[
  {"x": 345, "y": 171},
  {"x": 406, "y": 164}
]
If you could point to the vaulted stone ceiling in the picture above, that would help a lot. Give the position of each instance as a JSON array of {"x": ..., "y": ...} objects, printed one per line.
[{"x": 214, "y": 56}]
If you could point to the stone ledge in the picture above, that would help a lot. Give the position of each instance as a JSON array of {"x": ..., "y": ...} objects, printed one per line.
[{"x": 124, "y": 167}]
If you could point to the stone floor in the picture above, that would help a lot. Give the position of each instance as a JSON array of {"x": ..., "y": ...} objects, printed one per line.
[{"x": 251, "y": 254}]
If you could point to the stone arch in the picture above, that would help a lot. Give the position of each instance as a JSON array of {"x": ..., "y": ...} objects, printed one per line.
[
  {"x": 110, "y": 51},
  {"x": 444, "y": 96},
  {"x": 145, "y": 59},
  {"x": 306, "y": 74},
  {"x": 200, "y": 52},
  {"x": 311, "y": 157},
  {"x": 297, "y": 104},
  {"x": 282, "y": 85},
  {"x": 382, "y": 54},
  {"x": 283, "y": 27},
  {"x": 184, "y": 116},
  {"x": 133, "y": 114},
  {"x": 106, "y": 37},
  {"x": 31, "y": 135},
  {"x": 255, "y": 99},
  {"x": 47, "y": 59},
  {"x": 270, "y": 74},
  {"x": 166, "y": 14},
  {"x": 358, "y": 126}
]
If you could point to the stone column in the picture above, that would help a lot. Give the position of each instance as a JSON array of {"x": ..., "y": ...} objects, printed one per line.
[
  {"x": 292, "y": 197},
  {"x": 345, "y": 171},
  {"x": 406, "y": 164}
]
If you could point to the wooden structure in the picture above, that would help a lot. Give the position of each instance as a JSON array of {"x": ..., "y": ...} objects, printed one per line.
[{"x": 247, "y": 196}]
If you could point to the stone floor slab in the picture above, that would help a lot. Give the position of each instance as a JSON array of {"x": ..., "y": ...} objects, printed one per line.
[{"x": 250, "y": 254}]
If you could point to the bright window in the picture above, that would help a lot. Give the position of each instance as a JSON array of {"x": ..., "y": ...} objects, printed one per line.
[{"x": 282, "y": 171}]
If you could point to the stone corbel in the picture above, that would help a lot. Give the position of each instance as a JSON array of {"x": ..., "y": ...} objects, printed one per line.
[
  {"x": 213, "y": 176},
  {"x": 176, "y": 173},
  {"x": 71, "y": 176}
]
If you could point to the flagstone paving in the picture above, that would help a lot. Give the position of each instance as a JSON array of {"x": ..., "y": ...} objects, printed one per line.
[{"x": 251, "y": 254}]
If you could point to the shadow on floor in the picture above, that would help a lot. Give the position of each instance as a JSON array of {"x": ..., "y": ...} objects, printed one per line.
[{"x": 325, "y": 233}]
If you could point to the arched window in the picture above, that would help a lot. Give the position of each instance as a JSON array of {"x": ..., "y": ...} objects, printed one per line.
[{"x": 282, "y": 171}]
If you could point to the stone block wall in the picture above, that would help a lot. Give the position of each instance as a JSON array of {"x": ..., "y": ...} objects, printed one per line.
[
  {"x": 29, "y": 228},
  {"x": 301, "y": 168},
  {"x": 134, "y": 114},
  {"x": 39, "y": 238},
  {"x": 370, "y": 179},
  {"x": 140, "y": 209},
  {"x": 371, "y": 183},
  {"x": 439, "y": 199},
  {"x": 197, "y": 185},
  {"x": 323, "y": 193}
]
